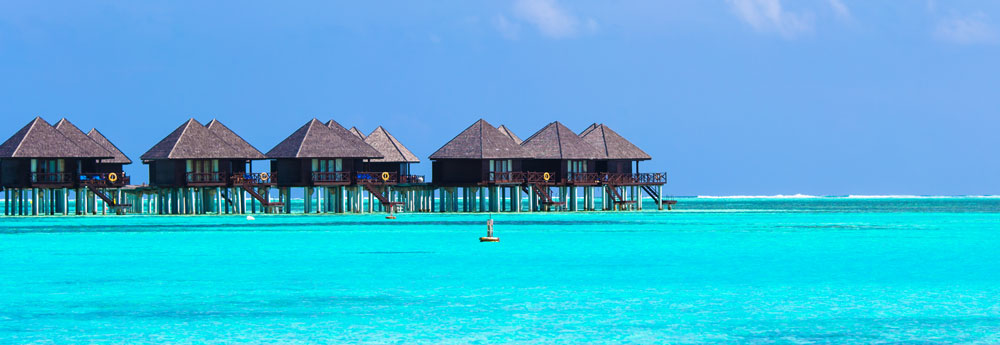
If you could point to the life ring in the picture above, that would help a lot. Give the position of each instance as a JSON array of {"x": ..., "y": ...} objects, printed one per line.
[
  {"x": 546, "y": 176},
  {"x": 264, "y": 176},
  {"x": 385, "y": 176},
  {"x": 112, "y": 177}
]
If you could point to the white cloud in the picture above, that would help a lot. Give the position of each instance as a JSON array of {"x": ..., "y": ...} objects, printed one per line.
[
  {"x": 769, "y": 16},
  {"x": 551, "y": 19},
  {"x": 508, "y": 29},
  {"x": 968, "y": 29},
  {"x": 840, "y": 9}
]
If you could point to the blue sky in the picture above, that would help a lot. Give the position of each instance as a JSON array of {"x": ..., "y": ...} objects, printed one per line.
[{"x": 730, "y": 97}]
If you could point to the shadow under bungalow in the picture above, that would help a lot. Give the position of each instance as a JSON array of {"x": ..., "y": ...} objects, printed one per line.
[{"x": 209, "y": 169}]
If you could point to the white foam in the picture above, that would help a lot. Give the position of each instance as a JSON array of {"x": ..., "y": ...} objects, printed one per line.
[{"x": 779, "y": 196}]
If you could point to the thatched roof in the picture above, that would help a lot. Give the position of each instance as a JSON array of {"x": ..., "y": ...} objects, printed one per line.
[
  {"x": 355, "y": 140},
  {"x": 234, "y": 140},
  {"x": 192, "y": 140},
  {"x": 556, "y": 141},
  {"x": 611, "y": 144},
  {"x": 119, "y": 157},
  {"x": 82, "y": 140},
  {"x": 38, "y": 139},
  {"x": 392, "y": 150},
  {"x": 480, "y": 141},
  {"x": 357, "y": 132},
  {"x": 317, "y": 140},
  {"x": 509, "y": 133}
]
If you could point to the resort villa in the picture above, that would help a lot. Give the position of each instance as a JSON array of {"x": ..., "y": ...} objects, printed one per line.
[{"x": 208, "y": 169}]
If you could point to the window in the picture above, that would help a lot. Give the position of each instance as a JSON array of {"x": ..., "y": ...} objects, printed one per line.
[
  {"x": 327, "y": 165},
  {"x": 575, "y": 166},
  {"x": 503, "y": 166},
  {"x": 203, "y": 170},
  {"x": 47, "y": 170}
]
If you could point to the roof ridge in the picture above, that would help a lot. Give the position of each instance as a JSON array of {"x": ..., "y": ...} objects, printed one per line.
[
  {"x": 305, "y": 135},
  {"x": 393, "y": 140},
  {"x": 31, "y": 127},
  {"x": 604, "y": 139},
  {"x": 558, "y": 138},
  {"x": 180, "y": 136},
  {"x": 71, "y": 141}
]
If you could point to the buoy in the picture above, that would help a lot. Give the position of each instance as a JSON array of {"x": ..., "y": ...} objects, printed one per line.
[
  {"x": 251, "y": 218},
  {"x": 390, "y": 217},
  {"x": 489, "y": 233}
]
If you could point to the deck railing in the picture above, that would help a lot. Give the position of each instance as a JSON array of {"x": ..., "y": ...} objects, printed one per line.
[
  {"x": 519, "y": 177},
  {"x": 377, "y": 177},
  {"x": 338, "y": 177},
  {"x": 411, "y": 179},
  {"x": 51, "y": 178},
  {"x": 590, "y": 179},
  {"x": 105, "y": 179},
  {"x": 255, "y": 178},
  {"x": 205, "y": 178}
]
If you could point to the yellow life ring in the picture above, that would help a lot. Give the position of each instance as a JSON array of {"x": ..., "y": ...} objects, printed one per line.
[
  {"x": 546, "y": 176},
  {"x": 264, "y": 176},
  {"x": 112, "y": 177},
  {"x": 385, "y": 176}
]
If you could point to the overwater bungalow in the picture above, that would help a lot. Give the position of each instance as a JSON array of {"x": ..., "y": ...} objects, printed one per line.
[
  {"x": 324, "y": 156},
  {"x": 558, "y": 150},
  {"x": 317, "y": 155},
  {"x": 201, "y": 168},
  {"x": 479, "y": 155},
  {"x": 617, "y": 154},
  {"x": 194, "y": 155},
  {"x": 47, "y": 162},
  {"x": 97, "y": 171},
  {"x": 483, "y": 165},
  {"x": 618, "y": 168}
]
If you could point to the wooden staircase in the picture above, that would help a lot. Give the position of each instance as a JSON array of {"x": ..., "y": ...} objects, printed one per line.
[
  {"x": 656, "y": 196},
  {"x": 381, "y": 198},
  {"x": 544, "y": 196},
  {"x": 617, "y": 198},
  {"x": 118, "y": 208},
  {"x": 266, "y": 204}
]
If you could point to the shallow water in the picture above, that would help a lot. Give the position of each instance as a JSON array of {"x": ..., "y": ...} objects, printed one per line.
[{"x": 714, "y": 271}]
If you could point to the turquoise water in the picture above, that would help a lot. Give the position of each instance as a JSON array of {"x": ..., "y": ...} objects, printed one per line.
[{"x": 715, "y": 271}]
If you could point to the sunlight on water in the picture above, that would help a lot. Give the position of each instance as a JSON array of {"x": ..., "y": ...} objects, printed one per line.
[{"x": 738, "y": 271}]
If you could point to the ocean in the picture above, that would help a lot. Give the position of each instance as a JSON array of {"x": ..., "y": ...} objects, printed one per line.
[{"x": 839, "y": 270}]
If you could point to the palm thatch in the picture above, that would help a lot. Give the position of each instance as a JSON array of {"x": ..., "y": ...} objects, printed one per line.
[
  {"x": 357, "y": 132},
  {"x": 611, "y": 144},
  {"x": 556, "y": 141},
  {"x": 118, "y": 156},
  {"x": 317, "y": 140},
  {"x": 509, "y": 133},
  {"x": 234, "y": 140},
  {"x": 82, "y": 140},
  {"x": 38, "y": 139},
  {"x": 192, "y": 140},
  {"x": 353, "y": 139},
  {"x": 480, "y": 141},
  {"x": 392, "y": 150}
]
